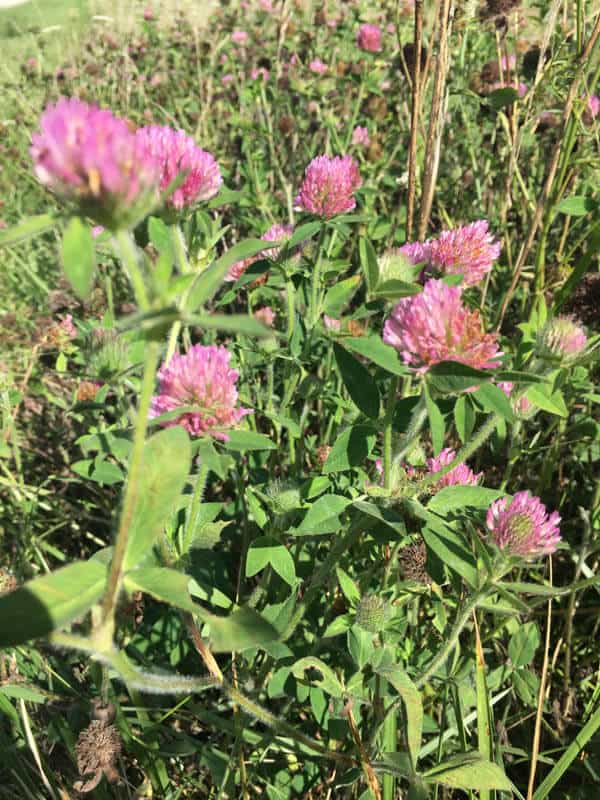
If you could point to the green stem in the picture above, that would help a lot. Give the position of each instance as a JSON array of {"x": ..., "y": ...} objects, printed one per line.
[
  {"x": 127, "y": 251},
  {"x": 387, "y": 432},
  {"x": 452, "y": 640},
  {"x": 291, "y": 308},
  {"x": 280, "y": 726},
  {"x": 320, "y": 577},
  {"x": 316, "y": 282},
  {"x": 131, "y": 490},
  {"x": 482, "y": 434},
  {"x": 417, "y": 420},
  {"x": 192, "y": 516}
]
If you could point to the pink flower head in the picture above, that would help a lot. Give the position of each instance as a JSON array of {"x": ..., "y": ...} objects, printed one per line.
[
  {"x": 523, "y": 528},
  {"x": 435, "y": 326},
  {"x": 67, "y": 327},
  {"x": 276, "y": 233},
  {"x": 239, "y": 37},
  {"x": 509, "y": 63},
  {"x": 176, "y": 153},
  {"x": 461, "y": 475},
  {"x": 469, "y": 250},
  {"x": 332, "y": 324},
  {"x": 261, "y": 73},
  {"x": 369, "y": 38},
  {"x": 360, "y": 136},
  {"x": 593, "y": 104},
  {"x": 415, "y": 252},
  {"x": 561, "y": 339},
  {"x": 202, "y": 377},
  {"x": 97, "y": 231},
  {"x": 329, "y": 185},
  {"x": 85, "y": 154},
  {"x": 317, "y": 66},
  {"x": 521, "y": 87},
  {"x": 148, "y": 14},
  {"x": 227, "y": 79},
  {"x": 266, "y": 315},
  {"x": 521, "y": 405}
]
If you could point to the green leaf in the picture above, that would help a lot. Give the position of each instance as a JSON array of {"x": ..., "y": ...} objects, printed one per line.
[
  {"x": 551, "y": 401},
  {"x": 500, "y": 98},
  {"x": 413, "y": 706},
  {"x": 340, "y": 294},
  {"x": 492, "y": 398},
  {"x": 326, "y": 679},
  {"x": 464, "y": 418},
  {"x": 450, "y": 377},
  {"x": 232, "y": 323},
  {"x": 79, "y": 257},
  {"x": 360, "y": 645},
  {"x": 166, "y": 461},
  {"x": 226, "y": 197},
  {"x": 243, "y": 629},
  {"x": 351, "y": 449},
  {"x": 385, "y": 516},
  {"x": 26, "y": 229},
  {"x": 577, "y": 205},
  {"x": 395, "y": 289},
  {"x": 451, "y": 553},
  {"x": 210, "y": 279},
  {"x": 160, "y": 235},
  {"x": 368, "y": 261},
  {"x": 451, "y": 498},
  {"x": 241, "y": 441},
  {"x": 323, "y": 516},
  {"x": 267, "y": 550},
  {"x": 469, "y": 771},
  {"x": 303, "y": 233},
  {"x": 523, "y": 644},
  {"x": 338, "y": 626},
  {"x": 358, "y": 381},
  {"x": 567, "y": 758},
  {"x": 436, "y": 422},
  {"x": 166, "y": 585},
  {"x": 374, "y": 348},
  {"x": 349, "y": 589},
  {"x": 52, "y": 601}
]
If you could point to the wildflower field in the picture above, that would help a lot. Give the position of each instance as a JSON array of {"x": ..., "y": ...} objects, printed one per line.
[{"x": 299, "y": 434}]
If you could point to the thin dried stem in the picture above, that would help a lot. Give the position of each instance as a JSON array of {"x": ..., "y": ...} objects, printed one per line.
[
  {"x": 541, "y": 208},
  {"x": 540, "y": 706},
  {"x": 414, "y": 118},
  {"x": 436, "y": 120}
]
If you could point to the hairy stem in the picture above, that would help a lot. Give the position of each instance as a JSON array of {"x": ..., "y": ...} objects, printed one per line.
[{"x": 131, "y": 490}]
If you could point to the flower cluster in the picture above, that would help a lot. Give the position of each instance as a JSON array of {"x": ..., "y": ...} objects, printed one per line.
[
  {"x": 521, "y": 405},
  {"x": 201, "y": 378},
  {"x": 561, "y": 339},
  {"x": 276, "y": 233},
  {"x": 469, "y": 250},
  {"x": 435, "y": 326},
  {"x": 175, "y": 153},
  {"x": 85, "y": 154},
  {"x": 360, "y": 136},
  {"x": 523, "y": 526},
  {"x": 329, "y": 185},
  {"x": 369, "y": 38},
  {"x": 461, "y": 475}
]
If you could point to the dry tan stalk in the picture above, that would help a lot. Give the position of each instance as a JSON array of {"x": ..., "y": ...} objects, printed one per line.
[
  {"x": 436, "y": 120},
  {"x": 414, "y": 118},
  {"x": 540, "y": 706},
  {"x": 554, "y": 159}
]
